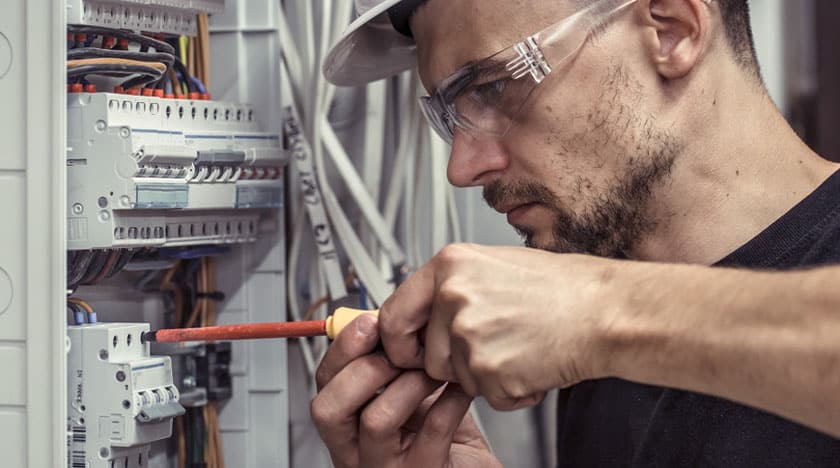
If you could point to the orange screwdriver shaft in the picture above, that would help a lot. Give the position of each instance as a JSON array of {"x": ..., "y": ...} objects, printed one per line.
[
  {"x": 252, "y": 331},
  {"x": 330, "y": 327}
]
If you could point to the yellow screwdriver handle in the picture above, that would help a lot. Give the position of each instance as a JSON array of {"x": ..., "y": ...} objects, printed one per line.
[{"x": 342, "y": 317}]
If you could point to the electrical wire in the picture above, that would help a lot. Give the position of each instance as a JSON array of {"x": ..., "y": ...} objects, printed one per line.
[
  {"x": 91, "y": 314},
  {"x": 95, "y": 266},
  {"x": 95, "y": 52},
  {"x": 159, "y": 46},
  {"x": 106, "y": 268},
  {"x": 148, "y": 74},
  {"x": 78, "y": 268}
]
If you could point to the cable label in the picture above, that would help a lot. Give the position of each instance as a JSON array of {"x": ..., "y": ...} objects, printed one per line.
[{"x": 312, "y": 198}]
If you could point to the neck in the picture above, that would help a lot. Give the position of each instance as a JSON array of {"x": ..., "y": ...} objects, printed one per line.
[{"x": 741, "y": 169}]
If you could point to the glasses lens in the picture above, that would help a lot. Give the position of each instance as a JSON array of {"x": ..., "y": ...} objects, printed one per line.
[
  {"x": 491, "y": 103},
  {"x": 438, "y": 117}
]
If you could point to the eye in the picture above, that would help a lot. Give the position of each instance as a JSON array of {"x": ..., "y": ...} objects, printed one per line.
[{"x": 490, "y": 92}]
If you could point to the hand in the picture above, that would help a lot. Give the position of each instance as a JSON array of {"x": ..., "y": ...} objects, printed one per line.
[
  {"x": 506, "y": 323},
  {"x": 413, "y": 422}
]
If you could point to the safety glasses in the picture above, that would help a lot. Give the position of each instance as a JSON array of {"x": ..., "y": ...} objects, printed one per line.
[{"x": 485, "y": 97}]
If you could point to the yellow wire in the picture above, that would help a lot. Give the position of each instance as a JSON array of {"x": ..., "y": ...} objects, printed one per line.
[
  {"x": 80, "y": 303},
  {"x": 183, "y": 43},
  {"x": 114, "y": 61}
]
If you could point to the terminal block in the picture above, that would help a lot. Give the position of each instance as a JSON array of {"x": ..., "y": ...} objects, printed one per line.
[
  {"x": 152, "y": 16},
  {"x": 152, "y": 172},
  {"x": 120, "y": 399}
]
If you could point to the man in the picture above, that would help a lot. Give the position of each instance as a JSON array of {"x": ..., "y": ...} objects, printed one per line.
[{"x": 627, "y": 129}]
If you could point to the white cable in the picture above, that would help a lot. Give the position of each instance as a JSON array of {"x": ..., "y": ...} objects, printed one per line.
[
  {"x": 357, "y": 189},
  {"x": 437, "y": 162},
  {"x": 366, "y": 268},
  {"x": 374, "y": 149},
  {"x": 290, "y": 54},
  {"x": 407, "y": 143},
  {"x": 313, "y": 196},
  {"x": 294, "y": 255},
  {"x": 413, "y": 174},
  {"x": 378, "y": 288},
  {"x": 309, "y": 37},
  {"x": 294, "y": 307}
]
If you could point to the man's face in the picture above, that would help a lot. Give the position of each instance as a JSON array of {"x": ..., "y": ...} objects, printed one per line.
[{"x": 578, "y": 168}]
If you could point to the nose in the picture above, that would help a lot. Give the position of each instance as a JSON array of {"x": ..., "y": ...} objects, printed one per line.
[{"x": 475, "y": 161}]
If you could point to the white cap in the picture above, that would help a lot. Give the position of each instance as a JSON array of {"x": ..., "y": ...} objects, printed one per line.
[{"x": 370, "y": 49}]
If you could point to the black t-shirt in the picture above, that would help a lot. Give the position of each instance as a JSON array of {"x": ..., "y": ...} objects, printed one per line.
[{"x": 615, "y": 423}]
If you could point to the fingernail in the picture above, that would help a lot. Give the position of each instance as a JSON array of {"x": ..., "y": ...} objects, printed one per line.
[{"x": 366, "y": 325}]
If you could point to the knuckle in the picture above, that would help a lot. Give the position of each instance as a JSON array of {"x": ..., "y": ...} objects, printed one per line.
[
  {"x": 323, "y": 413},
  {"x": 514, "y": 389},
  {"x": 450, "y": 292},
  {"x": 437, "y": 369},
  {"x": 402, "y": 358},
  {"x": 452, "y": 254},
  {"x": 377, "y": 420},
  {"x": 465, "y": 327},
  {"x": 438, "y": 425},
  {"x": 483, "y": 364}
]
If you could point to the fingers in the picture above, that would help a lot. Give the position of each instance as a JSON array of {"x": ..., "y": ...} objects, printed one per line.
[
  {"x": 461, "y": 369},
  {"x": 358, "y": 339},
  {"x": 404, "y": 314},
  {"x": 437, "y": 353},
  {"x": 335, "y": 409},
  {"x": 432, "y": 444},
  {"x": 380, "y": 437}
]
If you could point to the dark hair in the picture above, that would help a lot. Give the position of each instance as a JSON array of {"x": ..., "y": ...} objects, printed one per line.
[{"x": 736, "y": 20}]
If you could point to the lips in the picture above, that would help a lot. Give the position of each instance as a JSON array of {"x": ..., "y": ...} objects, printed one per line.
[{"x": 515, "y": 215}]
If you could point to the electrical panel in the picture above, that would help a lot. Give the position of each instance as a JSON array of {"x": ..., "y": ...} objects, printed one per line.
[
  {"x": 165, "y": 188},
  {"x": 152, "y": 172},
  {"x": 120, "y": 398},
  {"x": 154, "y": 16}
]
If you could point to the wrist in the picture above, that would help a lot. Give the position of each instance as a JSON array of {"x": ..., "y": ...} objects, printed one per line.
[{"x": 632, "y": 329}]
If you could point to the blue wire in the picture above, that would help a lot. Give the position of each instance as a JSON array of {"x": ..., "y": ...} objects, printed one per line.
[
  {"x": 78, "y": 314},
  {"x": 92, "y": 317},
  {"x": 363, "y": 302},
  {"x": 198, "y": 84},
  {"x": 192, "y": 253}
]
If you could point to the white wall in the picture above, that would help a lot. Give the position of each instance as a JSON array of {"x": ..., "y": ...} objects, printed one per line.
[{"x": 768, "y": 29}]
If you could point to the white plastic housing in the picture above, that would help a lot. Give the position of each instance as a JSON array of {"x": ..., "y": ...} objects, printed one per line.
[
  {"x": 153, "y": 16},
  {"x": 145, "y": 171},
  {"x": 114, "y": 388}
]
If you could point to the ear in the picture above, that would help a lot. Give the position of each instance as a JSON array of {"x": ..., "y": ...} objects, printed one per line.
[{"x": 677, "y": 31}]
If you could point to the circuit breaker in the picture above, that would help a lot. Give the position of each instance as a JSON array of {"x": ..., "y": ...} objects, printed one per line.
[
  {"x": 159, "y": 16},
  {"x": 120, "y": 399},
  {"x": 145, "y": 171}
]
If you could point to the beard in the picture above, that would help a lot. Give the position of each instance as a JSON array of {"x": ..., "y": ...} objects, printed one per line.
[
  {"x": 615, "y": 218},
  {"x": 608, "y": 228}
]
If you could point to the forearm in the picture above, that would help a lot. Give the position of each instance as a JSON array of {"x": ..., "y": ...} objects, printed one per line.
[{"x": 770, "y": 340}]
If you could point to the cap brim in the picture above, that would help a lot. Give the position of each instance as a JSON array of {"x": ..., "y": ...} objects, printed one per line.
[{"x": 370, "y": 49}]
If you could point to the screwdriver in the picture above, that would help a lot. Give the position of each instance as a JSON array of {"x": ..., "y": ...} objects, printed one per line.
[{"x": 330, "y": 327}]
